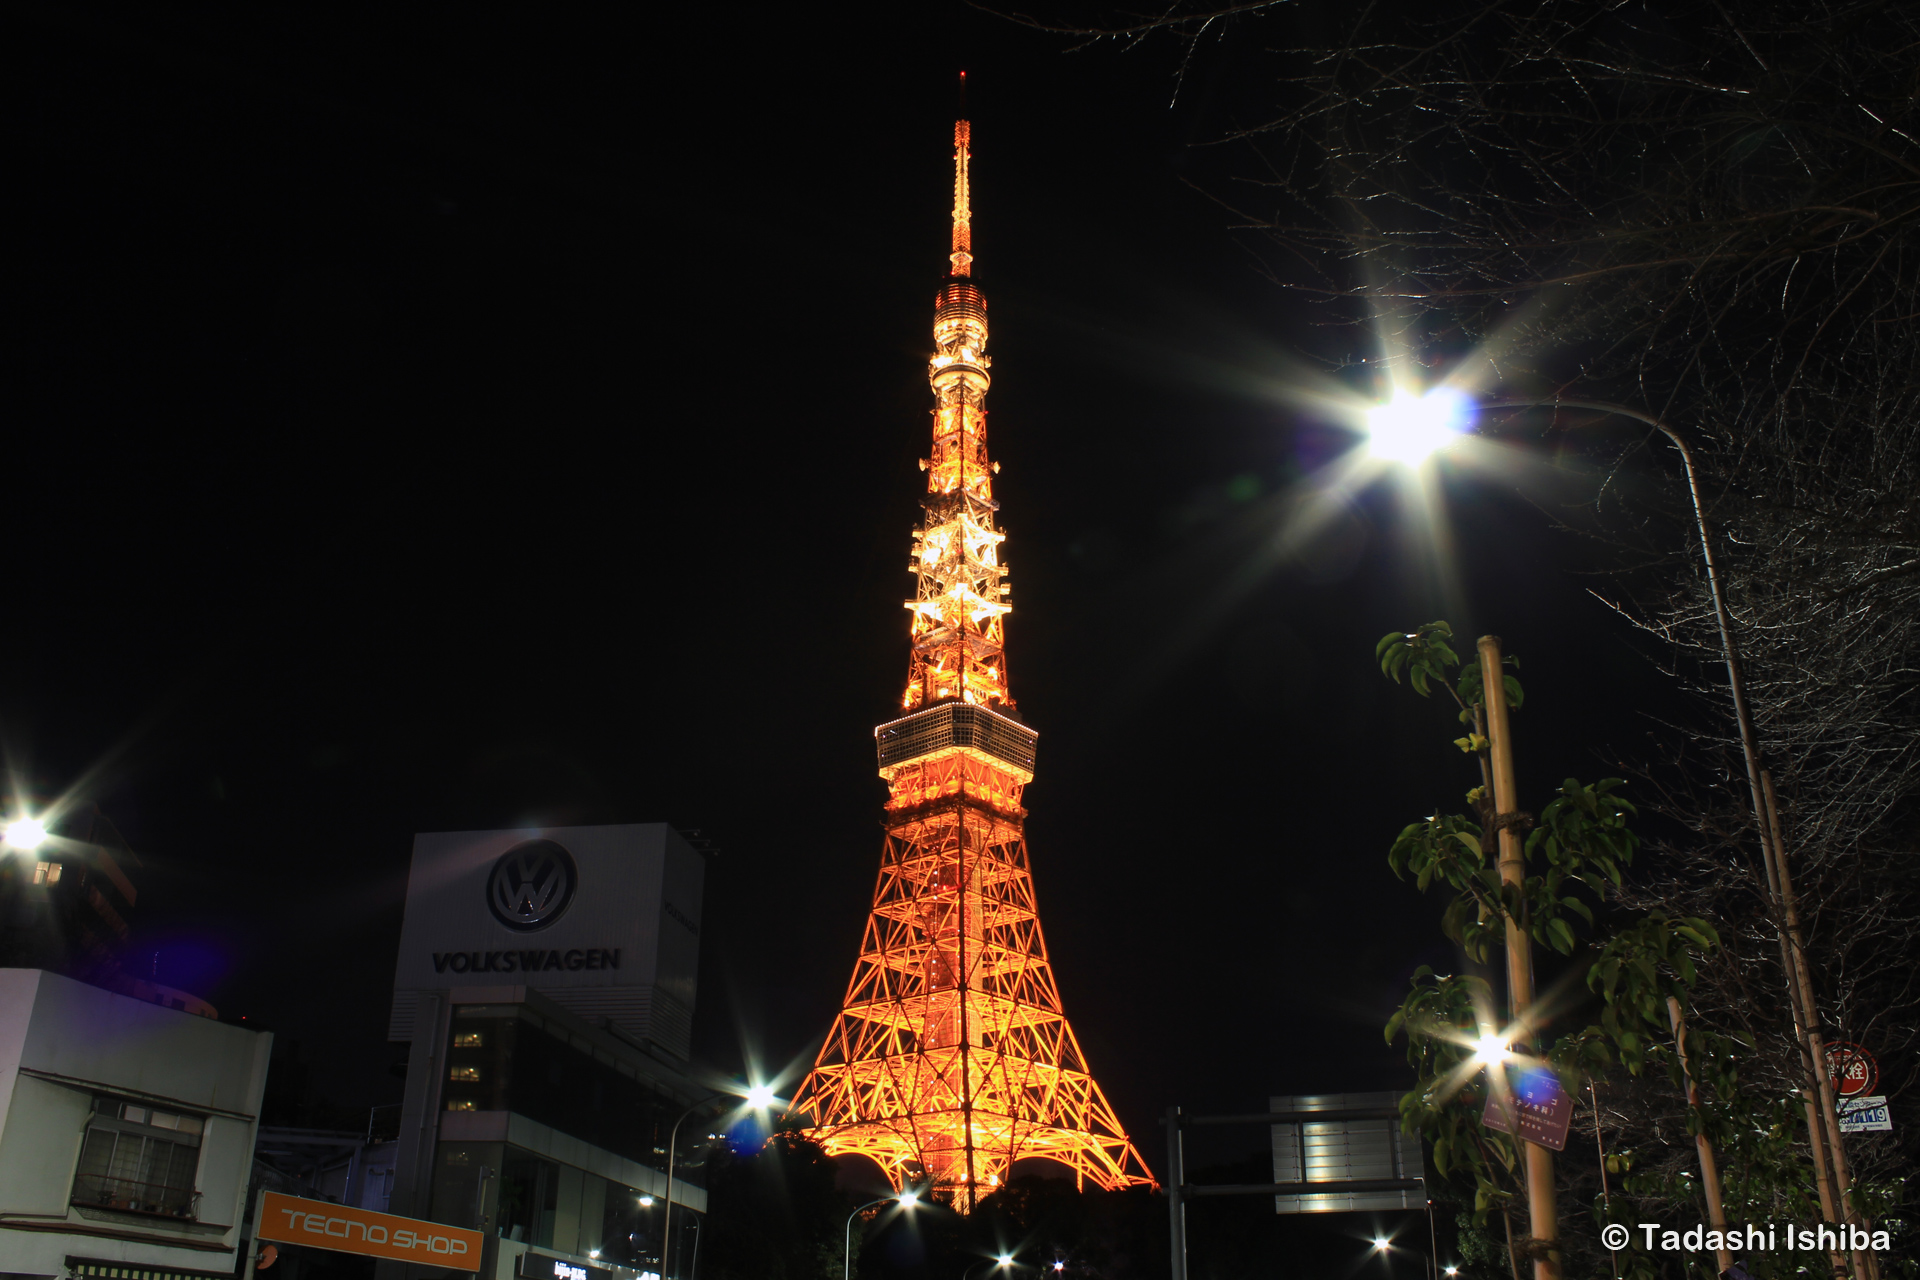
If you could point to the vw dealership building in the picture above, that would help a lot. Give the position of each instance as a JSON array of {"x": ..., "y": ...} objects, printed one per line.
[{"x": 544, "y": 991}]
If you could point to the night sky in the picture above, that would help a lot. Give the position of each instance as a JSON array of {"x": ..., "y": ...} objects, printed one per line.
[{"x": 465, "y": 416}]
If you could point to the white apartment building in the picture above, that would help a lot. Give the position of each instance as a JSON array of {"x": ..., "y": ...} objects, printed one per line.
[{"x": 126, "y": 1133}]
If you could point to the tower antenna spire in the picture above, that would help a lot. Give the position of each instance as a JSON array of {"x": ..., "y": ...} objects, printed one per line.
[{"x": 962, "y": 254}]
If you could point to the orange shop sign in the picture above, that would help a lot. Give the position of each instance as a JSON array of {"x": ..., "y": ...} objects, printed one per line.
[{"x": 344, "y": 1229}]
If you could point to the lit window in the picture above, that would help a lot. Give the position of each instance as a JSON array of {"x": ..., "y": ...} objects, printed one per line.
[
  {"x": 467, "y": 1040},
  {"x": 466, "y": 1074},
  {"x": 46, "y": 873},
  {"x": 462, "y": 1104},
  {"x": 136, "y": 1114}
]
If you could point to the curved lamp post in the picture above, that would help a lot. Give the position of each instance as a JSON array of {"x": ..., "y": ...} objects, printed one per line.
[
  {"x": 906, "y": 1200},
  {"x": 1408, "y": 428},
  {"x": 1003, "y": 1262},
  {"x": 1749, "y": 743},
  {"x": 758, "y": 1098}
]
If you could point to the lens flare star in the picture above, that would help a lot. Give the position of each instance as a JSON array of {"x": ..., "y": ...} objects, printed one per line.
[
  {"x": 1410, "y": 428},
  {"x": 26, "y": 834}
]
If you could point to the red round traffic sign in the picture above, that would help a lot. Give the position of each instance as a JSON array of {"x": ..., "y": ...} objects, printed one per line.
[{"x": 1852, "y": 1069}]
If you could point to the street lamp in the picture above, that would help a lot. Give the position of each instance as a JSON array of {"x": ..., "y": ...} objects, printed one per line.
[
  {"x": 26, "y": 834},
  {"x": 1759, "y": 785},
  {"x": 759, "y": 1097},
  {"x": 905, "y": 1199},
  {"x": 1411, "y": 428},
  {"x": 1002, "y": 1263}
]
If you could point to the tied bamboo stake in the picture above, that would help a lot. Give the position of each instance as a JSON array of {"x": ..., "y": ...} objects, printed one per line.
[
  {"x": 1709, "y": 1171},
  {"x": 1543, "y": 1220},
  {"x": 1606, "y": 1196}
]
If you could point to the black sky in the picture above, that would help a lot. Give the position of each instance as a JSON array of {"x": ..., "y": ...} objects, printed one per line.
[{"x": 458, "y": 416}]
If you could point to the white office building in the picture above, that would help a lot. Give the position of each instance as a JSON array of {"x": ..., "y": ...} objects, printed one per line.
[{"x": 545, "y": 989}]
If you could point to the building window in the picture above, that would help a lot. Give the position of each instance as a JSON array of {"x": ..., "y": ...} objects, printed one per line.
[
  {"x": 46, "y": 873},
  {"x": 529, "y": 1199},
  {"x": 553, "y": 1077},
  {"x": 139, "y": 1159},
  {"x": 461, "y": 1104}
]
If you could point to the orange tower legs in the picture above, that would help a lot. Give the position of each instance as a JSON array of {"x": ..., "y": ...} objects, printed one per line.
[{"x": 951, "y": 1058}]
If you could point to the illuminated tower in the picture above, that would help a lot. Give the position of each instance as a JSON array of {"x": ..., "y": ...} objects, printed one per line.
[{"x": 951, "y": 1057}]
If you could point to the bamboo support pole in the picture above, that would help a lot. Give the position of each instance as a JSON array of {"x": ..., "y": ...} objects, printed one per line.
[{"x": 1543, "y": 1219}]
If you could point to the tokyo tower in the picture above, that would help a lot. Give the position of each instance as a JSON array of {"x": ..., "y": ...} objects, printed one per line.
[{"x": 951, "y": 1057}]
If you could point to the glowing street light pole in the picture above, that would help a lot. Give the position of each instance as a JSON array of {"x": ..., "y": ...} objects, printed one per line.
[
  {"x": 1409, "y": 428},
  {"x": 905, "y": 1199},
  {"x": 759, "y": 1098},
  {"x": 673, "y": 1139},
  {"x": 1822, "y": 1120}
]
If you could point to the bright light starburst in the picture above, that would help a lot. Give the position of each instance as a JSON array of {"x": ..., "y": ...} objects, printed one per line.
[
  {"x": 1411, "y": 428},
  {"x": 1491, "y": 1048},
  {"x": 26, "y": 833}
]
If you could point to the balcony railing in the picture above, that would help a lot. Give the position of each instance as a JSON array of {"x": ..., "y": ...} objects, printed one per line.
[{"x": 128, "y": 1196}]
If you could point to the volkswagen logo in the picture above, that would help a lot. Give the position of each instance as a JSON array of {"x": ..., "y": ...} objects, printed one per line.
[{"x": 531, "y": 886}]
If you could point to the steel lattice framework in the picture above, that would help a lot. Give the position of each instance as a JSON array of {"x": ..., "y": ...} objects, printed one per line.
[{"x": 951, "y": 1057}]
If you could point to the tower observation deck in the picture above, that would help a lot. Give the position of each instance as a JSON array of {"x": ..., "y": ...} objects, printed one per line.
[{"x": 951, "y": 1057}]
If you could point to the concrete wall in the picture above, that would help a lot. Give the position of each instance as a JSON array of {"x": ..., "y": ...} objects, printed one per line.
[{"x": 40, "y": 1146}]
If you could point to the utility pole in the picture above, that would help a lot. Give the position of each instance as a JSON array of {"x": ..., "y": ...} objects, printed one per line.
[
  {"x": 1865, "y": 1264},
  {"x": 1543, "y": 1220}
]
